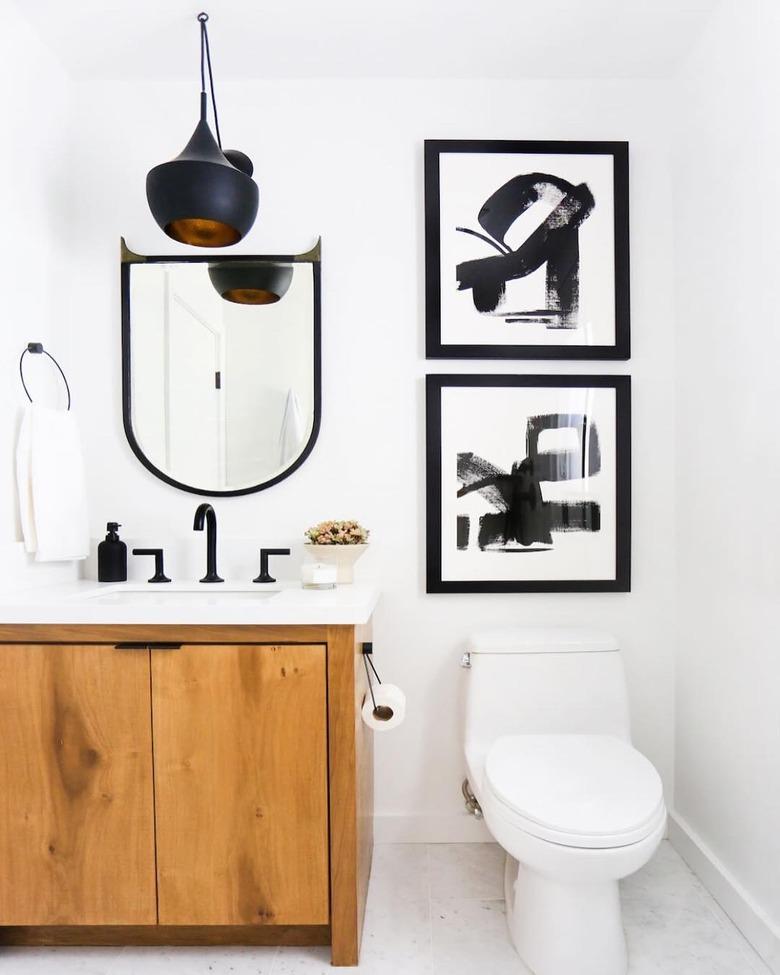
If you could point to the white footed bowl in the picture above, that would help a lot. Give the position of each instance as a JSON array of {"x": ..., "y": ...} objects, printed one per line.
[{"x": 343, "y": 557}]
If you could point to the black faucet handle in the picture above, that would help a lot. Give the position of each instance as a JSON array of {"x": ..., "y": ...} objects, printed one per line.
[
  {"x": 159, "y": 571},
  {"x": 265, "y": 576}
]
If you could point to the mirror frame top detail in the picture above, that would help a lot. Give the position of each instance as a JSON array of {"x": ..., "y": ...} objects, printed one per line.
[{"x": 129, "y": 258}]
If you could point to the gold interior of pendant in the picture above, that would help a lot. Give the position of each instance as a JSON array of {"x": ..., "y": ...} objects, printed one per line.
[
  {"x": 202, "y": 233},
  {"x": 250, "y": 296}
]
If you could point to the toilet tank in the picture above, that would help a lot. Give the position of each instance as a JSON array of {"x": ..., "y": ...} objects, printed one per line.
[{"x": 543, "y": 681}]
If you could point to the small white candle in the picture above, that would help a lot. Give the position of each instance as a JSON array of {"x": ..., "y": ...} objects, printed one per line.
[{"x": 318, "y": 575}]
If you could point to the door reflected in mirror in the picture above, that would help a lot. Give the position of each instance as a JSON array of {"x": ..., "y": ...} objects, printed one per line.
[{"x": 221, "y": 389}]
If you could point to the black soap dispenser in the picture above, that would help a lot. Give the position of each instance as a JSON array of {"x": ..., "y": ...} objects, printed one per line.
[{"x": 112, "y": 556}]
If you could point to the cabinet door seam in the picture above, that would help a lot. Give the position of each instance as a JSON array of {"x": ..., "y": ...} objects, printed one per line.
[{"x": 154, "y": 792}]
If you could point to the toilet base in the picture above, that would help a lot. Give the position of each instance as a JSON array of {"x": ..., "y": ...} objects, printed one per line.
[{"x": 563, "y": 928}]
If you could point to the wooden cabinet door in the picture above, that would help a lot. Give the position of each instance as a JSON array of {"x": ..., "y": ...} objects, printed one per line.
[
  {"x": 240, "y": 770},
  {"x": 76, "y": 803}
]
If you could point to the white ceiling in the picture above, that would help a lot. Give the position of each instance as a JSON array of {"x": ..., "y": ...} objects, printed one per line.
[{"x": 134, "y": 39}]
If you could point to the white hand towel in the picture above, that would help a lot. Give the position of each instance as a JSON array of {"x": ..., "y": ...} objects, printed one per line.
[
  {"x": 52, "y": 487},
  {"x": 291, "y": 434},
  {"x": 24, "y": 481}
]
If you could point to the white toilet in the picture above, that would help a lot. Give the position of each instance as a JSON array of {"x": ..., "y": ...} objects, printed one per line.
[{"x": 575, "y": 806}]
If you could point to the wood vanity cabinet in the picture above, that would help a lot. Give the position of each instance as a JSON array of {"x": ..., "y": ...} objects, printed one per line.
[
  {"x": 184, "y": 785},
  {"x": 241, "y": 784},
  {"x": 76, "y": 791}
]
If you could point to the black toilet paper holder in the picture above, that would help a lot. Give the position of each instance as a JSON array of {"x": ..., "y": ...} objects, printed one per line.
[{"x": 381, "y": 712}]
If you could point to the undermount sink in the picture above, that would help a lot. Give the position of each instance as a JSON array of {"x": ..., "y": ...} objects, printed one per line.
[{"x": 163, "y": 594}]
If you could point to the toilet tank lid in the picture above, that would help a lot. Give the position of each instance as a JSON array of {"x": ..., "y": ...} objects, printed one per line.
[{"x": 552, "y": 639}]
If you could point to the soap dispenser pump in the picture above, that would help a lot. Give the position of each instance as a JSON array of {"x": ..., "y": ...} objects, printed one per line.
[{"x": 112, "y": 556}]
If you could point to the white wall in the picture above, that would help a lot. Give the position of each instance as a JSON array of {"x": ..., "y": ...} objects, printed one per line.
[
  {"x": 728, "y": 463},
  {"x": 34, "y": 253},
  {"x": 344, "y": 159}
]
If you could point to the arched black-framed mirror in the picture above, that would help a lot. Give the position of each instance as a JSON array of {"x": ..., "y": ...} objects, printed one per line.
[{"x": 221, "y": 362}]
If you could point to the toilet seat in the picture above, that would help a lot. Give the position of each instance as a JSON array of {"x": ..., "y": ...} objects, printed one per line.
[{"x": 585, "y": 791}]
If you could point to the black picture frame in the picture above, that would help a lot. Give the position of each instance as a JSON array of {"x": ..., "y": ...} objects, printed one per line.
[
  {"x": 622, "y": 580},
  {"x": 434, "y": 348},
  {"x": 128, "y": 259}
]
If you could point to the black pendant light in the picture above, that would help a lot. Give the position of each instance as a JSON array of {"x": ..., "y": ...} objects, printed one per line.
[
  {"x": 251, "y": 283},
  {"x": 204, "y": 197}
]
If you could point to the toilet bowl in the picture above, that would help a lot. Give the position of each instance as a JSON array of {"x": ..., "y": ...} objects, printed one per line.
[{"x": 562, "y": 790}]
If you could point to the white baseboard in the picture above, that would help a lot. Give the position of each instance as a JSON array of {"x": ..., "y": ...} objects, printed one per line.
[
  {"x": 459, "y": 828},
  {"x": 759, "y": 929}
]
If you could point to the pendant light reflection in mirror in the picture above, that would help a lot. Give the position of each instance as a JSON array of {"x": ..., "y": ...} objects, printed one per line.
[
  {"x": 206, "y": 196},
  {"x": 251, "y": 283}
]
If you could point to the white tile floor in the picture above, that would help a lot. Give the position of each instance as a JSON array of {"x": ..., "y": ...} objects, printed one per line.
[{"x": 439, "y": 909}]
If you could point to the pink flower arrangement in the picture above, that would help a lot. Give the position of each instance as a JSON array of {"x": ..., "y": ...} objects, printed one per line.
[{"x": 337, "y": 533}]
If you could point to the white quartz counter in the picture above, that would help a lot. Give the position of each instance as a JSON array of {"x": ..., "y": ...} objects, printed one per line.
[{"x": 279, "y": 604}]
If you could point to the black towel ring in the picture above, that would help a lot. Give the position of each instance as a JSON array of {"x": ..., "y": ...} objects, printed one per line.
[{"x": 36, "y": 348}]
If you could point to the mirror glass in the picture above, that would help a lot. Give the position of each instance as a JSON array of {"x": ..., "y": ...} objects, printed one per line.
[{"x": 221, "y": 368}]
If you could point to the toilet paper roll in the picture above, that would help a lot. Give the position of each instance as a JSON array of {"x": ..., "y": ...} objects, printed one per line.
[{"x": 390, "y": 707}]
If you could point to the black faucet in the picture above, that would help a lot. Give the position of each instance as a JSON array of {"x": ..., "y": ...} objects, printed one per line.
[{"x": 207, "y": 513}]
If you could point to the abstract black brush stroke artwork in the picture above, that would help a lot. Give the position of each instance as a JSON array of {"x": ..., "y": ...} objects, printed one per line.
[
  {"x": 526, "y": 250},
  {"x": 554, "y": 244},
  {"x": 510, "y": 473},
  {"x": 524, "y": 517}
]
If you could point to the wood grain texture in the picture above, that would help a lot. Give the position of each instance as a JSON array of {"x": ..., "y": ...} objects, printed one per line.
[
  {"x": 351, "y": 792},
  {"x": 76, "y": 805},
  {"x": 240, "y": 764},
  {"x": 179, "y": 633},
  {"x": 364, "y": 786},
  {"x": 163, "y": 934}
]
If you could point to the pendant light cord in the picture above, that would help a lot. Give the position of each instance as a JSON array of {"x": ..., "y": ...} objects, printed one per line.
[{"x": 205, "y": 60}]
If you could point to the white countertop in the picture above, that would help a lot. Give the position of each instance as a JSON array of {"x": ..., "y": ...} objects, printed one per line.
[{"x": 278, "y": 604}]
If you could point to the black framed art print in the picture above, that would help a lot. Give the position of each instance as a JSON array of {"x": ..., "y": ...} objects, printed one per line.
[
  {"x": 526, "y": 250},
  {"x": 528, "y": 483}
]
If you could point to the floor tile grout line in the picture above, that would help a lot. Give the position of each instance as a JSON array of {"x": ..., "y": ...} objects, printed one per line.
[
  {"x": 427, "y": 868},
  {"x": 427, "y": 865}
]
